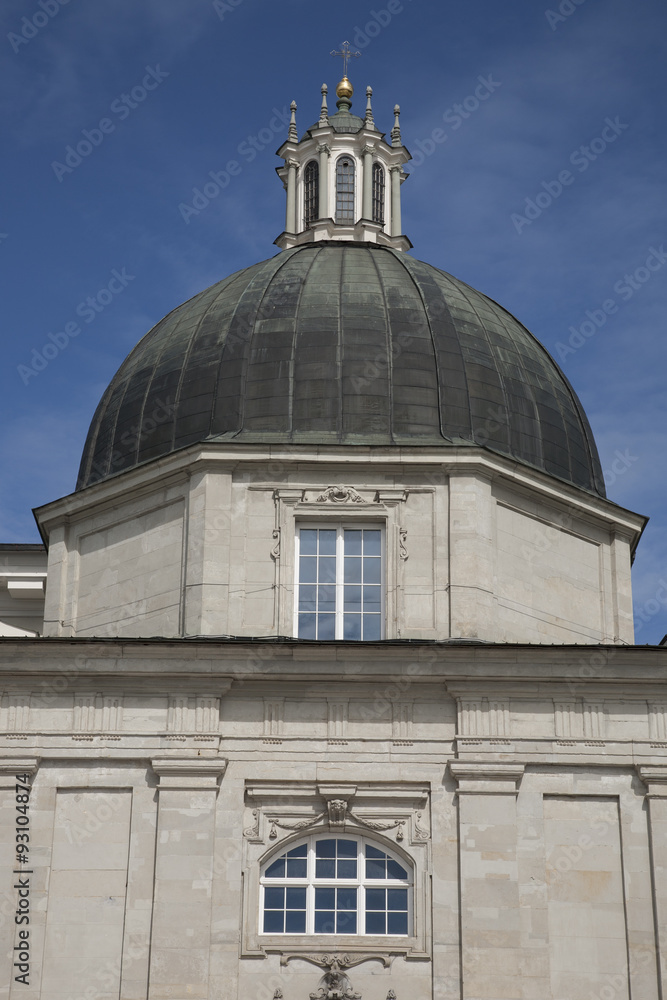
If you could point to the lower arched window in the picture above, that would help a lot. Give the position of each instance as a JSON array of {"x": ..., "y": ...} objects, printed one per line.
[{"x": 336, "y": 885}]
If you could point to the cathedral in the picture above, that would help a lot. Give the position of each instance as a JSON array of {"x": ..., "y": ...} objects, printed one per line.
[{"x": 323, "y": 685}]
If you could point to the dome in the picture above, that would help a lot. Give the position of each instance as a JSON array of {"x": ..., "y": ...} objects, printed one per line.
[{"x": 340, "y": 343}]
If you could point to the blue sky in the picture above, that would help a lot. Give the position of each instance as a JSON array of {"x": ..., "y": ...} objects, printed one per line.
[{"x": 576, "y": 116}]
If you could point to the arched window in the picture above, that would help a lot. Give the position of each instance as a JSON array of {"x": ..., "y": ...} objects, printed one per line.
[
  {"x": 378, "y": 193},
  {"x": 311, "y": 192},
  {"x": 345, "y": 190},
  {"x": 336, "y": 885}
]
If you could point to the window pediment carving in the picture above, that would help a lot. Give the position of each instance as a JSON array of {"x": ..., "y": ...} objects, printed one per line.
[
  {"x": 340, "y": 494},
  {"x": 275, "y": 813}
]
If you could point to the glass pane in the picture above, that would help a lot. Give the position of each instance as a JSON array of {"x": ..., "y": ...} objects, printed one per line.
[
  {"x": 307, "y": 569},
  {"x": 325, "y": 922},
  {"x": 352, "y": 573},
  {"x": 372, "y": 627},
  {"x": 347, "y": 848},
  {"x": 327, "y": 541},
  {"x": 297, "y": 868},
  {"x": 352, "y": 598},
  {"x": 397, "y": 923},
  {"x": 375, "y": 899},
  {"x": 326, "y": 626},
  {"x": 347, "y": 869},
  {"x": 375, "y": 923},
  {"x": 375, "y": 868},
  {"x": 274, "y": 899},
  {"x": 347, "y": 899},
  {"x": 372, "y": 540},
  {"x": 307, "y": 597},
  {"x": 372, "y": 852},
  {"x": 327, "y": 571},
  {"x": 307, "y": 627},
  {"x": 325, "y": 868},
  {"x": 277, "y": 869},
  {"x": 308, "y": 542},
  {"x": 298, "y": 852},
  {"x": 372, "y": 596},
  {"x": 372, "y": 568},
  {"x": 397, "y": 899},
  {"x": 347, "y": 922},
  {"x": 296, "y": 898},
  {"x": 325, "y": 899},
  {"x": 274, "y": 921},
  {"x": 327, "y": 599},
  {"x": 353, "y": 542},
  {"x": 325, "y": 849},
  {"x": 394, "y": 870},
  {"x": 295, "y": 921},
  {"x": 352, "y": 626}
]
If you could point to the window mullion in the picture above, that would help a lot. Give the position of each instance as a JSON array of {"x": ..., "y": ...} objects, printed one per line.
[
  {"x": 340, "y": 576},
  {"x": 361, "y": 891}
]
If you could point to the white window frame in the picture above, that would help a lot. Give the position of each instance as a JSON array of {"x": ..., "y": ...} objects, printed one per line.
[
  {"x": 360, "y": 882},
  {"x": 341, "y": 527},
  {"x": 344, "y": 155}
]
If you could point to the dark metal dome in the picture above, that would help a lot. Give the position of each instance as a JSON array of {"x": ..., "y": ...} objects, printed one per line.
[{"x": 342, "y": 343}]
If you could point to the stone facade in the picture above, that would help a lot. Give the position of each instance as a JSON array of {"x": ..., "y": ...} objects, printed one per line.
[
  {"x": 524, "y": 790},
  {"x": 203, "y": 543}
]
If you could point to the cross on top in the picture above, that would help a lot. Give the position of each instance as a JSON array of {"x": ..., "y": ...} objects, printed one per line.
[{"x": 346, "y": 54}]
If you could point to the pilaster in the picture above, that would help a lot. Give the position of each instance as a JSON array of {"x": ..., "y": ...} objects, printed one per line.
[
  {"x": 324, "y": 152},
  {"x": 471, "y": 583},
  {"x": 396, "y": 223},
  {"x": 290, "y": 215},
  {"x": 655, "y": 779},
  {"x": 181, "y": 932},
  {"x": 367, "y": 201},
  {"x": 489, "y": 886}
]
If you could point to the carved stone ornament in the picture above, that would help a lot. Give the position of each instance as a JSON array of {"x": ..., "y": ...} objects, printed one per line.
[
  {"x": 338, "y": 812},
  {"x": 419, "y": 831},
  {"x": 340, "y": 494},
  {"x": 337, "y": 809},
  {"x": 402, "y": 547},
  {"x": 335, "y": 985},
  {"x": 252, "y": 832},
  {"x": 337, "y": 962}
]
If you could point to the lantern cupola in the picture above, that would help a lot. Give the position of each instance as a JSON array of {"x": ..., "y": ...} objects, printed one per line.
[{"x": 342, "y": 178}]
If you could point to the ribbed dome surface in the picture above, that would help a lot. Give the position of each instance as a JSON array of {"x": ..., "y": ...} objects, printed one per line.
[{"x": 342, "y": 343}]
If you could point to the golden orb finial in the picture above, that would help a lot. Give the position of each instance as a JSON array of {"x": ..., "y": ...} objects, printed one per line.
[{"x": 344, "y": 89}]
